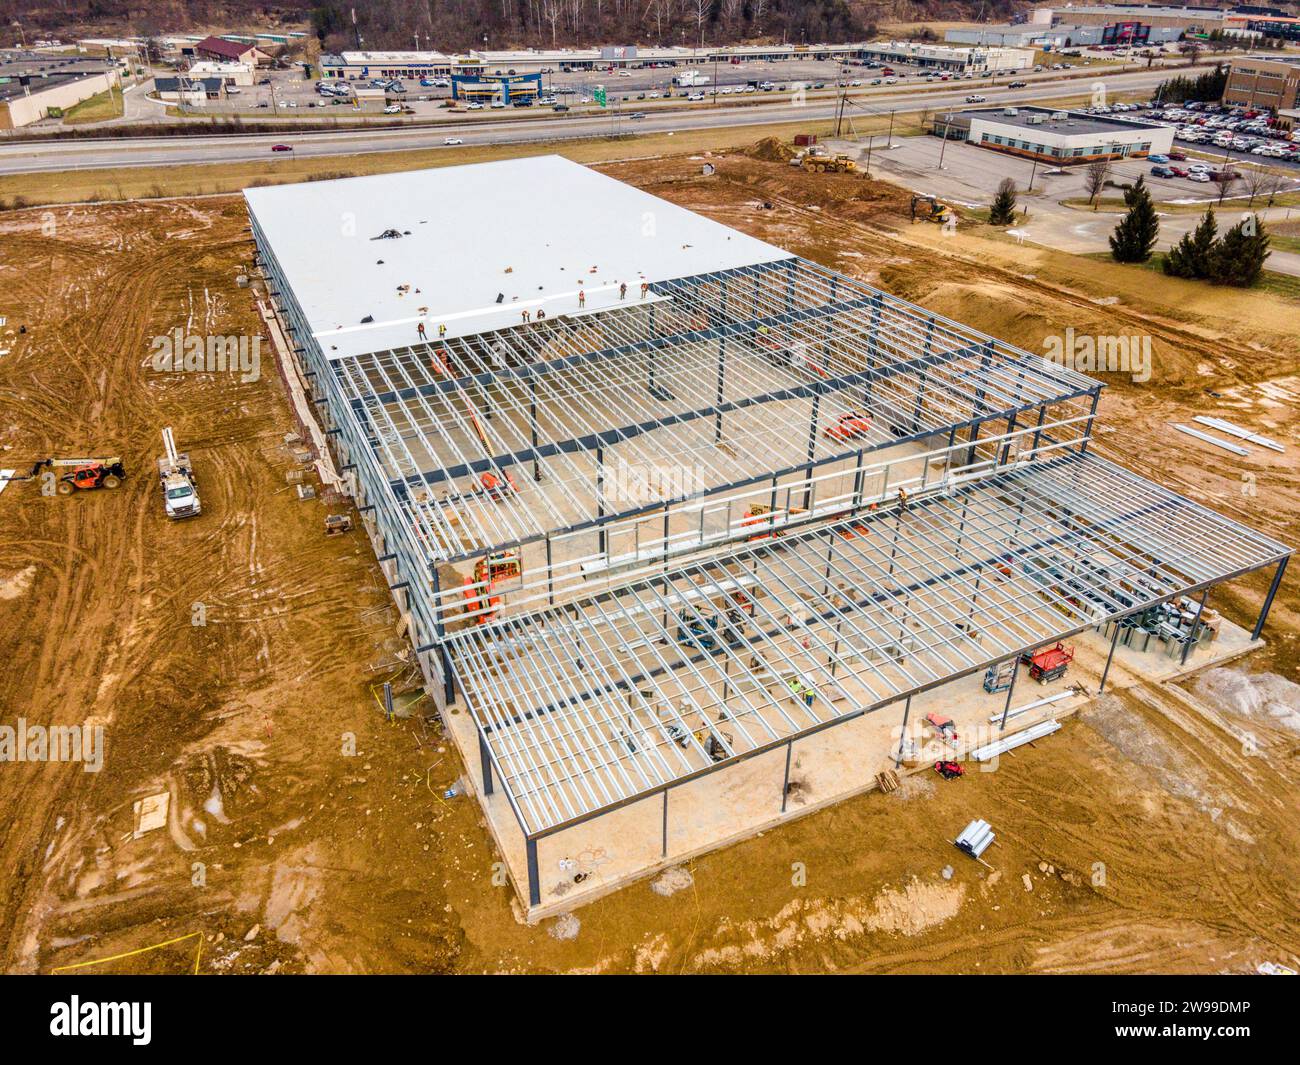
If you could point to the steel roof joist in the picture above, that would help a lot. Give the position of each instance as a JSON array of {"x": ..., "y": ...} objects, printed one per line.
[{"x": 867, "y": 610}]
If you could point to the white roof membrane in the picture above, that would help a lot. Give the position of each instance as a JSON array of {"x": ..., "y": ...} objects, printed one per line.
[{"x": 522, "y": 234}]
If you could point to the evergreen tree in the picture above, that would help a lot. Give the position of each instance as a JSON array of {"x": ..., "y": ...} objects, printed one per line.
[
  {"x": 1136, "y": 233},
  {"x": 1191, "y": 256},
  {"x": 1207, "y": 86},
  {"x": 1239, "y": 256},
  {"x": 1003, "y": 211}
]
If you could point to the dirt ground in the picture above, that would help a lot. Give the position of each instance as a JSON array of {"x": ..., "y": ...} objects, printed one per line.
[{"x": 1145, "y": 836}]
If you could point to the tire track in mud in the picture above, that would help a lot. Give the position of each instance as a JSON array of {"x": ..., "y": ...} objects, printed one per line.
[{"x": 98, "y": 401}]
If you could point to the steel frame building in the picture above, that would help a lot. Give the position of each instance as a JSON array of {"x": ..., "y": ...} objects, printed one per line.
[{"x": 645, "y": 639}]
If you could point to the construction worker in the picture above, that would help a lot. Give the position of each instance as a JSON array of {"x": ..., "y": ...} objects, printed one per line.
[
  {"x": 582, "y": 298},
  {"x": 622, "y": 289},
  {"x": 419, "y": 329},
  {"x": 540, "y": 314},
  {"x": 902, "y": 500},
  {"x": 524, "y": 312},
  {"x": 442, "y": 330},
  {"x": 645, "y": 287}
]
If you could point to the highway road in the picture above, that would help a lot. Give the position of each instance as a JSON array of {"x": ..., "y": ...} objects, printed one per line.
[{"x": 86, "y": 154}]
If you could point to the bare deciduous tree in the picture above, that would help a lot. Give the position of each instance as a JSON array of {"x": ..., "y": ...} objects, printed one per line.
[
  {"x": 1258, "y": 181},
  {"x": 702, "y": 10},
  {"x": 551, "y": 12},
  {"x": 1094, "y": 179}
]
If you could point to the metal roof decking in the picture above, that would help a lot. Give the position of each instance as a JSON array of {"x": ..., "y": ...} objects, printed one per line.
[
  {"x": 718, "y": 375},
  {"x": 595, "y": 704}
]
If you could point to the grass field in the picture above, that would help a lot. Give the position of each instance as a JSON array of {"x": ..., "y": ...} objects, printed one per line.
[
  {"x": 98, "y": 108},
  {"x": 1287, "y": 286},
  {"x": 1115, "y": 204}
]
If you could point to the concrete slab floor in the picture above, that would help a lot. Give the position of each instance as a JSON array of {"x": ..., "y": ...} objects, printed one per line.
[{"x": 583, "y": 863}]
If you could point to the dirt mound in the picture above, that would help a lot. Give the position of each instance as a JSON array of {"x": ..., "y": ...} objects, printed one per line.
[{"x": 770, "y": 150}]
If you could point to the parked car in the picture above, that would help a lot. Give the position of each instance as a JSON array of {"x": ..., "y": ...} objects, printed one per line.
[
  {"x": 1198, "y": 175},
  {"x": 1162, "y": 171},
  {"x": 1158, "y": 158},
  {"x": 1177, "y": 156}
]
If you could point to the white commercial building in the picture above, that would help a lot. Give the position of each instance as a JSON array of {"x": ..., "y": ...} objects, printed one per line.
[
  {"x": 229, "y": 73},
  {"x": 353, "y": 66},
  {"x": 1061, "y": 137},
  {"x": 949, "y": 59},
  {"x": 33, "y": 87}
]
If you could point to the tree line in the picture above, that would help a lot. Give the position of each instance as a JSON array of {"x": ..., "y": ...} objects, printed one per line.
[{"x": 453, "y": 25}]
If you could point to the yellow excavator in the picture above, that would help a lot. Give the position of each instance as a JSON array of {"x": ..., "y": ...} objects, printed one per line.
[{"x": 929, "y": 209}]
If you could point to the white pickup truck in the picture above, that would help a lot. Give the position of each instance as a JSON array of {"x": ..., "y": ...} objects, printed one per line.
[{"x": 176, "y": 476}]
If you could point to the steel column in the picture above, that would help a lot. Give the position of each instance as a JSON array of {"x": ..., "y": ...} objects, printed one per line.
[
  {"x": 1006, "y": 708},
  {"x": 485, "y": 763},
  {"x": 902, "y": 739},
  {"x": 534, "y": 881},
  {"x": 1196, "y": 622},
  {"x": 1106, "y": 672},
  {"x": 1268, "y": 600}
]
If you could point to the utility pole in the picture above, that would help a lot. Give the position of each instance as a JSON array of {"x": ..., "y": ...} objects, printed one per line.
[
  {"x": 839, "y": 114},
  {"x": 944, "y": 145},
  {"x": 889, "y": 137},
  {"x": 111, "y": 73}
]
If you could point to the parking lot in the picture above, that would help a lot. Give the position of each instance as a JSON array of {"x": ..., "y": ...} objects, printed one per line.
[
  {"x": 1227, "y": 132},
  {"x": 287, "y": 92},
  {"x": 970, "y": 175}
]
